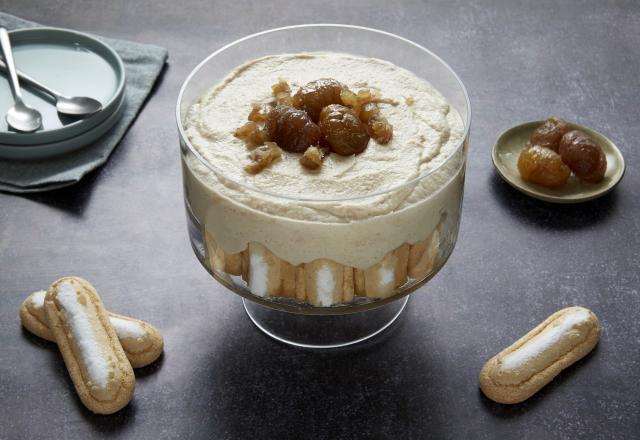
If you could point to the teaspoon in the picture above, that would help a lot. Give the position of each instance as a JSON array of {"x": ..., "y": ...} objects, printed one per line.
[
  {"x": 72, "y": 106},
  {"x": 20, "y": 117}
]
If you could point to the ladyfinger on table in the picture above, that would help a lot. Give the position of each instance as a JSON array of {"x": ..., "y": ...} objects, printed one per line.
[
  {"x": 96, "y": 362},
  {"x": 324, "y": 282},
  {"x": 33, "y": 318},
  {"x": 522, "y": 369},
  {"x": 142, "y": 342}
]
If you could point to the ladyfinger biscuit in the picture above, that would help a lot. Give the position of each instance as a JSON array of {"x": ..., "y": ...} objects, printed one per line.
[
  {"x": 422, "y": 255},
  {"x": 288, "y": 277},
  {"x": 522, "y": 369},
  {"x": 233, "y": 263},
  {"x": 402, "y": 264},
  {"x": 219, "y": 260},
  {"x": 264, "y": 271},
  {"x": 245, "y": 264},
  {"x": 358, "y": 282},
  {"x": 33, "y": 318},
  {"x": 381, "y": 279},
  {"x": 301, "y": 284},
  {"x": 142, "y": 342},
  {"x": 348, "y": 287},
  {"x": 96, "y": 362},
  {"x": 324, "y": 281}
]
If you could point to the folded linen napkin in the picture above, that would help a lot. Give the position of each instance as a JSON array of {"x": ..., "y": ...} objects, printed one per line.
[{"x": 143, "y": 64}]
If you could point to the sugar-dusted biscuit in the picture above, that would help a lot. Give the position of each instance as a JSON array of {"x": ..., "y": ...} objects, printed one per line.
[
  {"x": 142, "y": 342},
  {"x": 96, "y": 362},
  {"x": 264, "y": 271},
  {"x": 422, "y": 255},
  {"x": 33, "y": 318},
  {"x": 522, "y": 369},
  {"x": 324, "y": 282}
]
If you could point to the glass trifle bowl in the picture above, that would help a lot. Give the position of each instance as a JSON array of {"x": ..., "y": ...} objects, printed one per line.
[{"x": 328, "y": 257}]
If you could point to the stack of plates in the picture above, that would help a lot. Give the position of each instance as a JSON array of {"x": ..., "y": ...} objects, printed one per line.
[{"x": 74, "y": 64}]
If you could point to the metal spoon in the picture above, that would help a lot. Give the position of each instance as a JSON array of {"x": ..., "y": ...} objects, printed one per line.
[
  {"x": 20, "y": 117},
  {"x": 72, "y": 106}
]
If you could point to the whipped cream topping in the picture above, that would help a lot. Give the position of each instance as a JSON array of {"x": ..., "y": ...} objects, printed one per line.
[
  {"x": 84, "y": 335},
  {"x": 425, "y": 134}
]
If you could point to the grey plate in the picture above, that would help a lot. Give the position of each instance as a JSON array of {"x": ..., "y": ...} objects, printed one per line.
[
  {"x": 30, "y": 152},
  {"x": 505, "y": 158},
  {"x": 71, "y": 62}
]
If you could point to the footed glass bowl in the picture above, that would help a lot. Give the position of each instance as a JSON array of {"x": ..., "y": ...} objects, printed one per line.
[{"x": 322, "y": 302}]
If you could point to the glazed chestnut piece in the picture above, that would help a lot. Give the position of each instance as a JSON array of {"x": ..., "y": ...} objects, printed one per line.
[
  {"x": 292, "y": 129},
  {"x": 548, "y": 135},
  {"x": 584, "y": 156},
  {"x": 542, "y": 166},
  {"x": 316, "y": 95},
  {"x": 343, "y": 130}
]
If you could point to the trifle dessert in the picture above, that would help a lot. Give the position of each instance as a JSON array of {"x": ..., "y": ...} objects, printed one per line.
[{"x": 324, "y": 179}]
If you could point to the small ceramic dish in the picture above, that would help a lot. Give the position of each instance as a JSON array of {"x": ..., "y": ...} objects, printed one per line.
[
  {"x": 33, "y": 152},
  {"x": 510, "y": 143},
  {"x": 71, "y": 62}
]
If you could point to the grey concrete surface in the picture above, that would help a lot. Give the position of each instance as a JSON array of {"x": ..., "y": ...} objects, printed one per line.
[{"x": 517, "y": 260}]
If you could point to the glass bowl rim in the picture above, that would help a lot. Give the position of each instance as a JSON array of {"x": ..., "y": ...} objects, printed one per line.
[{"x": 184, "y": 139}]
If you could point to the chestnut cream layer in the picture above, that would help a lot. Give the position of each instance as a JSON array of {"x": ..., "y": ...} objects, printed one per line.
[{"x": 357, "y": 232}]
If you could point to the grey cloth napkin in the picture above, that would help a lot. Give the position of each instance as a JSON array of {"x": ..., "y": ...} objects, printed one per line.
[{"x": 143, "y": 64}]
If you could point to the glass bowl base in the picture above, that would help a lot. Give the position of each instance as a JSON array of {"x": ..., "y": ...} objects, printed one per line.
[{"x": 318, "y": 331}]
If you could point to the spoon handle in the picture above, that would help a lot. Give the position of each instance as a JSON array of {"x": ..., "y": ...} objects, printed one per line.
[
  {"x": 5, "y": 45},
  {"x": 31, "y": 80}
]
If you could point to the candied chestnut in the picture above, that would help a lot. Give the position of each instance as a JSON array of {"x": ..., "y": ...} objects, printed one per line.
[
  {"x": 292, "y": 129},
  {"x": 350, "y": 99},
  {"x": 251, "y": 134},
  {"x": 316, "y": 95},
  {"x": 584, "y": 156},
  {"x": 258, "y": 113},
  {"x": 262, "y": 157},
  {"x": 282, "y": 93},
  {"x": 543, "y": 166},
  {"x": 313, "y": 157},
  {"x": 344, "y": 131},
  {"x": 548, "y": 135},
  {"x": 377, "y": 125}
]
